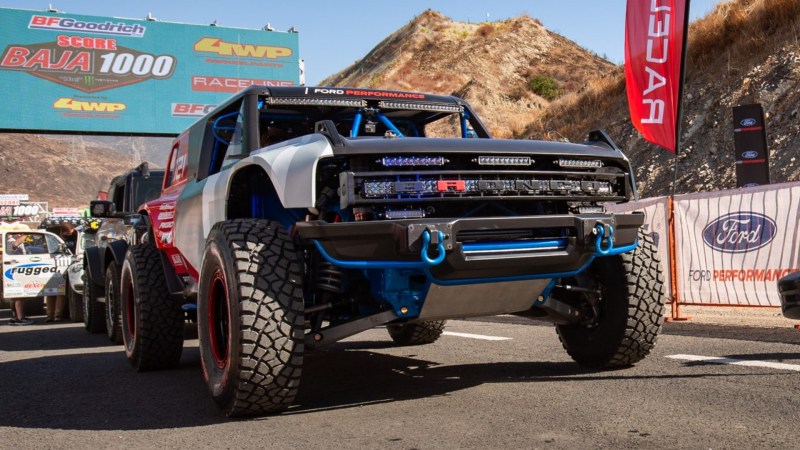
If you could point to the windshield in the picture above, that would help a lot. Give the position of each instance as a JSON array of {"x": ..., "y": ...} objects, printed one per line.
[{"x": 145, "y": 189}]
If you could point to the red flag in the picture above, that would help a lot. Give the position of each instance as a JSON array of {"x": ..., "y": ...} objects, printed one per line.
[{"x": 655, "y": 35}]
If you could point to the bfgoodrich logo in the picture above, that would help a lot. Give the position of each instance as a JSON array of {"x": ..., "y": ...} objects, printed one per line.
[{"x": 739, "y": 232}]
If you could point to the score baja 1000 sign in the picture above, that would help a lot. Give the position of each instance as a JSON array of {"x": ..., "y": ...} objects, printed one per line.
[
  {"x": 19, "y": 210},
  {"x": 84, "y": 64}
]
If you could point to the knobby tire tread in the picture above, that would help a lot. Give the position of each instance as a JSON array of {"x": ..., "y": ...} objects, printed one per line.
[
  {"x": 644, "y": 293},
  {"x": 160, "y": 321}
]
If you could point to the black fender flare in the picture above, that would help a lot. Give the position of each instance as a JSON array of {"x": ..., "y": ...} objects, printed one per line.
[
  {"x": 117, "y": 250},
  {"x": 92, "y": 263}
]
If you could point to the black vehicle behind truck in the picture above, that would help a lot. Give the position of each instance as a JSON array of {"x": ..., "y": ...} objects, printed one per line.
[
  {"x": 789, "y": 288},
  {"x": 102, "y": 262}
]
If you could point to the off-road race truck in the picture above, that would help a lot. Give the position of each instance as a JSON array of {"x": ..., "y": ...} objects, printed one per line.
[
  {"x": 34, "y": 263},
  {"x": 292, "y": 218},
  {"x": 102, "y": 261}
]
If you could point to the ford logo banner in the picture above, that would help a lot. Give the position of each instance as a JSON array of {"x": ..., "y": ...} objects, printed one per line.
[
  {"x": 748, "y": 122},
  {"x": 739, "y": 232},
  {"x": 750, "y": 154}
]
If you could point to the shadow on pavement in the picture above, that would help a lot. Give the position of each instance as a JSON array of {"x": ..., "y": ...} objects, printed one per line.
[{"x": 61, "y": 377}]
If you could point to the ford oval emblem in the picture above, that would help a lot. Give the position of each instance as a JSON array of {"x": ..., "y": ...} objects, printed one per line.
[
  {"x": 750, "y": 154},
  {"x": 748, "y": 122},
  {"x": 749, "y": 185},
  {"x": 739, "y": 232}
]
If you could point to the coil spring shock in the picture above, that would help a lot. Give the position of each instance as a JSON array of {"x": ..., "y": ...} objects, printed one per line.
[{"x": 329, "y": 278}]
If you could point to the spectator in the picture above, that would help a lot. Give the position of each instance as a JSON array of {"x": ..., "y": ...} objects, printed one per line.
[
  {"x": 15, "y": 244},
  {"x": 54, "y": 304},
  {"x": 69, "y": 235},
  {"x": 19, "y": 318}
]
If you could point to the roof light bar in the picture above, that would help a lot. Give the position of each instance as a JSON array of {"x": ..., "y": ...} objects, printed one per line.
[
  {"x": 436, "y": 107},
  {"x": 405, "y": 161},
  {"x": 309, "y": 101},
  {"x": 580, "y": 164},
  {"x": 505, "y": 160}
]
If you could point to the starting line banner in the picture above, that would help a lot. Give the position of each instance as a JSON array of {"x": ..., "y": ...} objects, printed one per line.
[{"x": 733, "y": 246}]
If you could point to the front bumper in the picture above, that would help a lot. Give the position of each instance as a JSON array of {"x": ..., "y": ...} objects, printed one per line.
[
  {"x": 497, "y": 247},
  {"x": 789, "y": 289}
]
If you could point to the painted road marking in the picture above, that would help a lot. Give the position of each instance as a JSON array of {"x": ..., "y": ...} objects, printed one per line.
[
  {"x": 476, "y": 336},
  {"x": 737, "y": 362}
]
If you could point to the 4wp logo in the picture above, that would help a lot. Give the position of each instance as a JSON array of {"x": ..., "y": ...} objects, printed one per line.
[
  {"x": 222, "y": 48},
  {"x": 70, "y": 104}
]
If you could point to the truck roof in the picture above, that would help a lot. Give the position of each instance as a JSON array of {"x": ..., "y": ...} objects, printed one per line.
[{"x": 350, "y": 93}]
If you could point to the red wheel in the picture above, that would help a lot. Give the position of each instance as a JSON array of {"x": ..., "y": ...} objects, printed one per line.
[
  {"x": 250, "y": 317},
  {"x": 152, "y": 323}
]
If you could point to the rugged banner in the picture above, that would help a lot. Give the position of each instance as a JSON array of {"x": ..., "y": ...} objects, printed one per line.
[
  {"x": 733, "y": 246},
  {"x": 654, "y": 41},
  {"x": 71, "y": 73}
]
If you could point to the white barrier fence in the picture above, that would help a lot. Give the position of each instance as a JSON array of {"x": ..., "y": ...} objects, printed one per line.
[{"x": 731, "y": 246}]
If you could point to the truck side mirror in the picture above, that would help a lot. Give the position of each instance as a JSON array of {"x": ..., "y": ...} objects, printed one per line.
[{"x": 102, "y": 208}]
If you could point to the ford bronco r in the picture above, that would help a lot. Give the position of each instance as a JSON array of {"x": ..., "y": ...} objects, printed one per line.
[{"x": 291, "y": 218}]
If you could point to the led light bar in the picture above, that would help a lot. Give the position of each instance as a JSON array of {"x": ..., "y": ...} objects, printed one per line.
[
  {"x": 309, "y": 101},
  {"x": 378, "y": 188},
  {"x": 384, "y": 188},
  {"x": 436, "y": 107},
  {"x": 406, "y": 161},
  {"x": 580, "y": 163},
  {"x": 405, "y": 214},
  {"x": 505, "y": 160}
]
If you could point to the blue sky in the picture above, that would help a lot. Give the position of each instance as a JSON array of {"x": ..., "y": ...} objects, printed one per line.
[{"x": 335, "y": 34}]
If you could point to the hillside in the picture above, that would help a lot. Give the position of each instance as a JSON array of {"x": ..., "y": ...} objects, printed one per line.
[
  {"x": 744, "y": 52},
  {"x": 64, "y": 173},
  {"x": 490, "y": 64}
]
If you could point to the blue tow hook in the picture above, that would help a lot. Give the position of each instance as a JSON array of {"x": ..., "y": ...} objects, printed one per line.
[
  {"x": 438, "y": 241},
  {"x": 598, "y": 244}
]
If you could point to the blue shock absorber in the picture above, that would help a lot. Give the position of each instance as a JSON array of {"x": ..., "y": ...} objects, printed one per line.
[{"x": 356, "y": 123}]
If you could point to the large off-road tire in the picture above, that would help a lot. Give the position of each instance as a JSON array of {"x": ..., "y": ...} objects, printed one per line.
[
  {"x": 94, "y": 317},
  {"x": 416, "y": 333},
  {"x": 112, "y": 315},
  {"x": 152, "y": 321},
  {"x": 250, "y": 317},
  {"x": 75, "y": 305},
  {"x": 630, "y": 309}
]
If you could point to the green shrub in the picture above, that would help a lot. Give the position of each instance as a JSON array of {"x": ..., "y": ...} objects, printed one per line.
[{"x": 544, "y": 87}]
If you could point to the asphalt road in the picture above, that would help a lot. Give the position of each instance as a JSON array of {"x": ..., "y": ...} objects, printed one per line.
[{"x": 64, "y": 388}]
